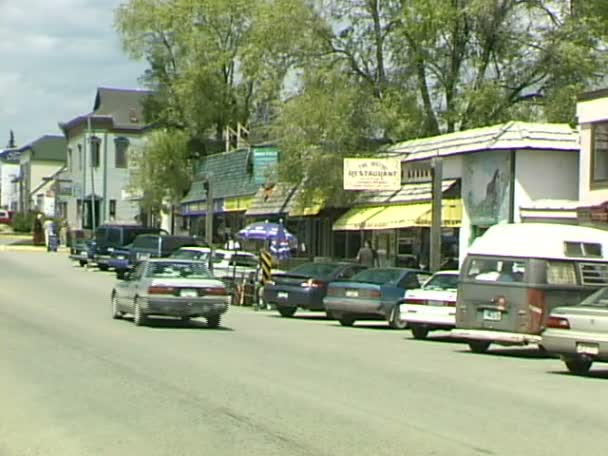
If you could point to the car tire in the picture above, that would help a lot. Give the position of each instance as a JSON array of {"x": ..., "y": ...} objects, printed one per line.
[
  {"x": 420, "y": 332},
  {"x": 82, "y": 263},
  {"x": 330, "y": 315},
  {"x": 346, "y": 320},
  {"x": 213, "y": 321},
  {"x": 395, "y": 321},
  {"x": 578, "y": 366},
  {"x": 139, "y": 318},
  {"x": 116, "y": 314},
  {"x": 479, "y": 346},
  {"x": 103, "y": 267},
  {"x": 286, "y": 312}
]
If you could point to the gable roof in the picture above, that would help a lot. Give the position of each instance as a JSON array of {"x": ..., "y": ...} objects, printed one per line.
[
  {"x": 232, "y": 176},
  {"x": 509, "y": 136},
  {"x": 47, "y": 147},
  {"x": 122, "y": 108}
]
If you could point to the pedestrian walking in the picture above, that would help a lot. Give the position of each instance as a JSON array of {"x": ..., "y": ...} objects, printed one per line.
[
  {"x": 367, "y": 256},
  {"x": 49, "y": 231}
]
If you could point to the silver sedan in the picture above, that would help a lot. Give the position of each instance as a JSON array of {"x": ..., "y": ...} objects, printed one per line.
[
  {"x": 171, "y": 287},
  {"x": 579, "y": 333}
]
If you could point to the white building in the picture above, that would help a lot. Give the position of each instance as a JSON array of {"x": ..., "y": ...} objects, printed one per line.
[
  {"x": 488, "y": 174},
  {"x": 9, "y": 179},
  {"x": 98, "y": 145}
]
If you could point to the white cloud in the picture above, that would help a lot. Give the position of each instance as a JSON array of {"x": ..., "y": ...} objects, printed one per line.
[{"x": 54, "y": 55}]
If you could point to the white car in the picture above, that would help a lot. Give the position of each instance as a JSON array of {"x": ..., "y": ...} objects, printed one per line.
[
  {"x": 231, "y": 265},
  {"x": 433, "y": 306}
]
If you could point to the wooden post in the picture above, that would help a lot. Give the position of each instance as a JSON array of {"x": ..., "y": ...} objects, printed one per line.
[{"x": 435, "y": 250}]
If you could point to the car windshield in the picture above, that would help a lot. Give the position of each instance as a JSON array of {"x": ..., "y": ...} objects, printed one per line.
[
  {"x": 597, "y": 299},
  {"x": 314, "y": 269},
  {"x": 442, "y": 282},
  {"x": 178, "y": 269},
  {"x": 379, "y": 276},
  {"x": 190, "y": 255}
]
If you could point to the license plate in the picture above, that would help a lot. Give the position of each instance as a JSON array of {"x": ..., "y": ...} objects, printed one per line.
[
  {"x": 188, "y": 293},
  {"x": 435, "y": 303},
  {"x": 492, "y": 315},
  {"x": 121, "y": 257},
  {"x": 587, "y": 349},
  {"x": 352, "y": 293},
  {"x": 282, "y": 295}
]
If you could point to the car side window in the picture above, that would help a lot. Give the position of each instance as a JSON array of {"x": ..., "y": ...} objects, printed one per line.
[{"x": 409, "y": 281}]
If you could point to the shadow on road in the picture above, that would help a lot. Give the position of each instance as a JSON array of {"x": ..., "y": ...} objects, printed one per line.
[
  {"x": 171, "y": 323},
  {"x": 512, "y": 352},
  {"x": 600, "y": 374}
]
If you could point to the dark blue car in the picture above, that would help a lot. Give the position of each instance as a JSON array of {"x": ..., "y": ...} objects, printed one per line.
[
  {"x": 305, "y": 285},
  {"x": 372, "y": 294}
]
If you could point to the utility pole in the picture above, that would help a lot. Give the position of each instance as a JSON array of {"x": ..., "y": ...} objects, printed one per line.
[
  {"x": 435, "y": 253},
  {"x": 209, "y": 219}
]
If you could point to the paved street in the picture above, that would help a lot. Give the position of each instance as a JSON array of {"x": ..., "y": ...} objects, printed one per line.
[{"x": 75, "y": 382}]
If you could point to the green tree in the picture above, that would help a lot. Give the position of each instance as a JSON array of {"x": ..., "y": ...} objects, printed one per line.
[{"x": 161, "y": 169}]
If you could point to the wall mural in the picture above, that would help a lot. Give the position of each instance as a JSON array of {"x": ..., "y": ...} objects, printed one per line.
[{"x": 487, "y": 187}]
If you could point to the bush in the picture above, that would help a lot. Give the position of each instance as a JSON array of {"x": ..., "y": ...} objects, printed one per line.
[{"x": 23, "y": 222}]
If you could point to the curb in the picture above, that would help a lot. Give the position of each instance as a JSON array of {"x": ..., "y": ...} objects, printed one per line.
[{"x": 29, "y": 248}]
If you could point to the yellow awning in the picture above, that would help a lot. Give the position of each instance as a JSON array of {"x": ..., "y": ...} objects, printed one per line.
[
  {"x": 451, "y": 214},
  {"x": 356, "y": 218},
  {"x": 313, "y": 209},
  {"x": 398, "y": 216}
]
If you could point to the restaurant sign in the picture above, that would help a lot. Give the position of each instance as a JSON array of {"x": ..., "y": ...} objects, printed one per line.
[{"x": 372, "y": 174}]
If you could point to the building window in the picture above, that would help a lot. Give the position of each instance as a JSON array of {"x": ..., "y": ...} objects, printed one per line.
[
  {"x": 79, "y": 156},
  {"x": 70, "y": 159},
  {"x": 112, "y": 209},
  {"x": 120, "y": 158},
  {"x": 599, "y": 152},
  {"x": 95, "y": 146}
]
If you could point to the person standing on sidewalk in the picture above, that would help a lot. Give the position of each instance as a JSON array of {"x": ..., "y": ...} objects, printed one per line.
[
  {"x": 366, "y": 255},
  {"x": 49, "y": 230}
]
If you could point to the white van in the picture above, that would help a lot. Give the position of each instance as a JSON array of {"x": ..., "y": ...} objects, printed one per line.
[{"x": 515, "y": 274}]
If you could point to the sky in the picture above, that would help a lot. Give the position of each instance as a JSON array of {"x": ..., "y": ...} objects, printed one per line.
[{"x": 54, "y": 54}]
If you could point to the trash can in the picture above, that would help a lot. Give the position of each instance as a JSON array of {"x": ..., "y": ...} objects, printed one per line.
[{"x": 53, "y": 243}]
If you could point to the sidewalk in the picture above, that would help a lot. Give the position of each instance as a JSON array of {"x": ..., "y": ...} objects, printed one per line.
[{"x": 10, "y": 242}]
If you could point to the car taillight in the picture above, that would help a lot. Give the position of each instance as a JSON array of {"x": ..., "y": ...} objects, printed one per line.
[
  {"x": 214, "y": 291},
  {"x": 558, "y": 323},
  {"x": 419, "y": 302},
  {"x": 312, "y": 283},
  {"x": 370, "y": 293},
  {"x": 161, "y": 290}
]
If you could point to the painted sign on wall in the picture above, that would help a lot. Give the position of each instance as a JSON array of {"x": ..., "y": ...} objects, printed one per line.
[
  {"x": 372, "y": 174},
  {"x": 486, "y": 187}
]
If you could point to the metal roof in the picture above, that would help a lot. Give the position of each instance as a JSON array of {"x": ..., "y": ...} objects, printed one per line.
[{"x": 509, "y": 136}]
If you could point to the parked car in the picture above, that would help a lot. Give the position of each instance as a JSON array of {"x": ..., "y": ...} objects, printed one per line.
[
  {"x": 150, "y": 246},
  {"x": 305, "y": 286},
  {"x": 231, "y": 265},
  {"x": 578, "y": 334},
  {"x": 80, "y": 250},
  {"x": 160, "y": 245},
  {"x": 109, "y": 237},
  {"x": 372, "y": 294},
  {"x": 432, "y": 306},
  {"x": 192, "y": 253},
  {"x": 170, "y": 287},
  {"x": 6, "y": 216}
]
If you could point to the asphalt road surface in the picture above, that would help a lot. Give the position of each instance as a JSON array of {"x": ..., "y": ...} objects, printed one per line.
[{"x": 75, "y": 382}]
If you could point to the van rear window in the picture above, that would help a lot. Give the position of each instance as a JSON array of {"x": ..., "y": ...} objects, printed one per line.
[{"x": 496, "y": 270}]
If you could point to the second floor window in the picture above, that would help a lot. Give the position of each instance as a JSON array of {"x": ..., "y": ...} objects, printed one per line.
[
  {"x": 70, "y": 159},
  {"x": 79, "y": 156},
  {"x": 95, "y": 146},
  {"x": 599, "y": 153},
  {"x": 120, "y": 157}
]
